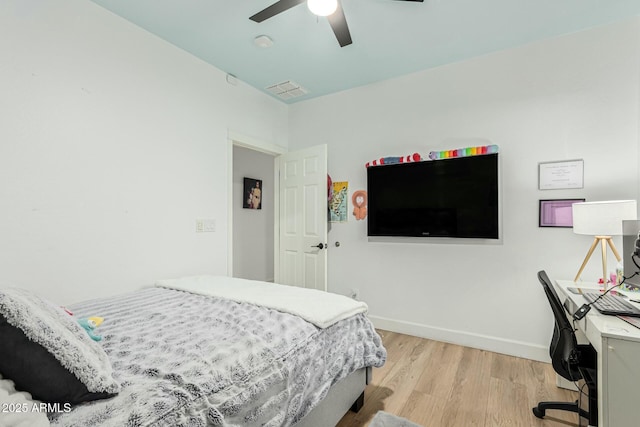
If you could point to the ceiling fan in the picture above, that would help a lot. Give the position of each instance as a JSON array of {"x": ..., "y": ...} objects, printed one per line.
[{"x": 329, "y": 8}]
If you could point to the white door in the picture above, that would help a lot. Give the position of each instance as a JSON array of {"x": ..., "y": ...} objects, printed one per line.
[{"x": 302, "y": 256}]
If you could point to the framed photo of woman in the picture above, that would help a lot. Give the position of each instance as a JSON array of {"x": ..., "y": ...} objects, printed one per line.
[{"x": 252, "y": 198}]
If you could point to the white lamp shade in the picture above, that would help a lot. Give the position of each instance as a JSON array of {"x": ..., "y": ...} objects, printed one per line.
[
  {"x": 322, "y": 7},
  {"x": 602, "y": 218}
]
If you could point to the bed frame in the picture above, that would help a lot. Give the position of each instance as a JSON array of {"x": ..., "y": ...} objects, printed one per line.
[{"x": 348, "y": 394}]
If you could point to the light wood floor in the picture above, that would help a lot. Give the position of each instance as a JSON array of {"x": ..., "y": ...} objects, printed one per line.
[{"x": 436, "y": 384}]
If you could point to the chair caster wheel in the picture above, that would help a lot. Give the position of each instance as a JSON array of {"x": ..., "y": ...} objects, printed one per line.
[{"x": 538, "y": 413}]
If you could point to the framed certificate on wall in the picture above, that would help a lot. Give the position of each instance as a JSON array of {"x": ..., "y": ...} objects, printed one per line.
[{"x": 561, "y": 174}]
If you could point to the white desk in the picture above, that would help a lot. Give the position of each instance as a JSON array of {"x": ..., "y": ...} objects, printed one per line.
[{"x": 618, "y": 346}]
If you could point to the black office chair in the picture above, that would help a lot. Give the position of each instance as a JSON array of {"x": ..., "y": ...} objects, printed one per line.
[{"x": 570, "y": 360}]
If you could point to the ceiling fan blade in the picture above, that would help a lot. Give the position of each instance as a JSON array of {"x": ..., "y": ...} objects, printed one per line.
[
  {"x": 274, "y": 9},
  {"x": 339, "y": 26}
]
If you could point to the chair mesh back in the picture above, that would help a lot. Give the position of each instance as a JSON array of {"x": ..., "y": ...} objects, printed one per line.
[{"x": 564, "y": 347}]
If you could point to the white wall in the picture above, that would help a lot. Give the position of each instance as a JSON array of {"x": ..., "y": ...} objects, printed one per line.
[
  {"x": 574, "y": 97},
  {"x": 253, "y": 239},
  {"x": 112, "y": 143}
]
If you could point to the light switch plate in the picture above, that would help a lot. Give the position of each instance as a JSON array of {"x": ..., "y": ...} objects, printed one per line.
[{"x": 205, "y": 225}]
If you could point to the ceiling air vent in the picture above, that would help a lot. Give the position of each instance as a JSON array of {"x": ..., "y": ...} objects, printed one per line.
[{"x": 287, "y": 90}]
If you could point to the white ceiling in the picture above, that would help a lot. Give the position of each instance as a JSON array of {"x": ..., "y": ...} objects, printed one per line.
[{"x": 390, "y": 38}]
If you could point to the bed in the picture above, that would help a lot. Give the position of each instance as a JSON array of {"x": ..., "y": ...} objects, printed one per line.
[{"x": 197, "y": 351}]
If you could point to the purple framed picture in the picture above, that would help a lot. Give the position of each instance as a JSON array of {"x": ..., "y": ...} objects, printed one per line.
[{"x": 557, "y": 212}]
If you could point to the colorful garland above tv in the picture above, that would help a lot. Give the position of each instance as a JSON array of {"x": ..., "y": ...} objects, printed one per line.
[
  {"x": 435, "y": 155},
  {"x": 415, "y": 157},
  {"x": 463, "y": 152}
]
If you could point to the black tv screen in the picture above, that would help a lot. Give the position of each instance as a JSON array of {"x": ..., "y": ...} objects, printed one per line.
[{"x": 455, "y": 197}]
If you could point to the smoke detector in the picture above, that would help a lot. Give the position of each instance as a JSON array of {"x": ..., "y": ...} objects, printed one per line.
[{"x": 263, "y": 41}]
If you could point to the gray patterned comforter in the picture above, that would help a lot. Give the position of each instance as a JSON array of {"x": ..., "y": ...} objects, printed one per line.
[{"x": 191, "y": 360}]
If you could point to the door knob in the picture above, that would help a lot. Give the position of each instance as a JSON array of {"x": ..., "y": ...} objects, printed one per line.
[{"x": 319, "y": 246}]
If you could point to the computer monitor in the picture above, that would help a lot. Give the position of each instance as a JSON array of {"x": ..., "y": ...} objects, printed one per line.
[{"x": 630, "y": 230}]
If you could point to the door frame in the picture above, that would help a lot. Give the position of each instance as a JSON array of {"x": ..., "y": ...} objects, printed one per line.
[{"x": 240, "y": 140}]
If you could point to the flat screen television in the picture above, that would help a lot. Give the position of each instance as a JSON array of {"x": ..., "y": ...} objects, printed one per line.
[{"x": 455, "y": 197}]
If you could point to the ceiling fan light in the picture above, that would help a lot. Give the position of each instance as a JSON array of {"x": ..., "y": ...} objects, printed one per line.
[{"x": 322, "y": 7}]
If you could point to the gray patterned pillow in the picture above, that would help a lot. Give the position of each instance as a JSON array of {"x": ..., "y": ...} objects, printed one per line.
[{"x": 42, "y": 344}]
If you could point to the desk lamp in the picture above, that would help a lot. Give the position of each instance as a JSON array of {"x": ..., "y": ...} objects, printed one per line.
[{"x": 602, "y": 220}]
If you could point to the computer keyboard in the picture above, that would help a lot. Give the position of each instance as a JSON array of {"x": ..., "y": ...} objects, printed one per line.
[{"x": 611, "y": 304}]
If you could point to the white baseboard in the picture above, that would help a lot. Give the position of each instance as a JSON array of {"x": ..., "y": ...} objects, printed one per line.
[
  {"x": 484, "y": 342},
  {"x": 569, "y": 385}
]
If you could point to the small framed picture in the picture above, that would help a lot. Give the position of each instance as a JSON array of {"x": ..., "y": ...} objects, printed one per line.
[
  {"x": 561, "y": 174},
  {"x": 557, "y": 212},
  {"x": 252, "y": 194}
]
